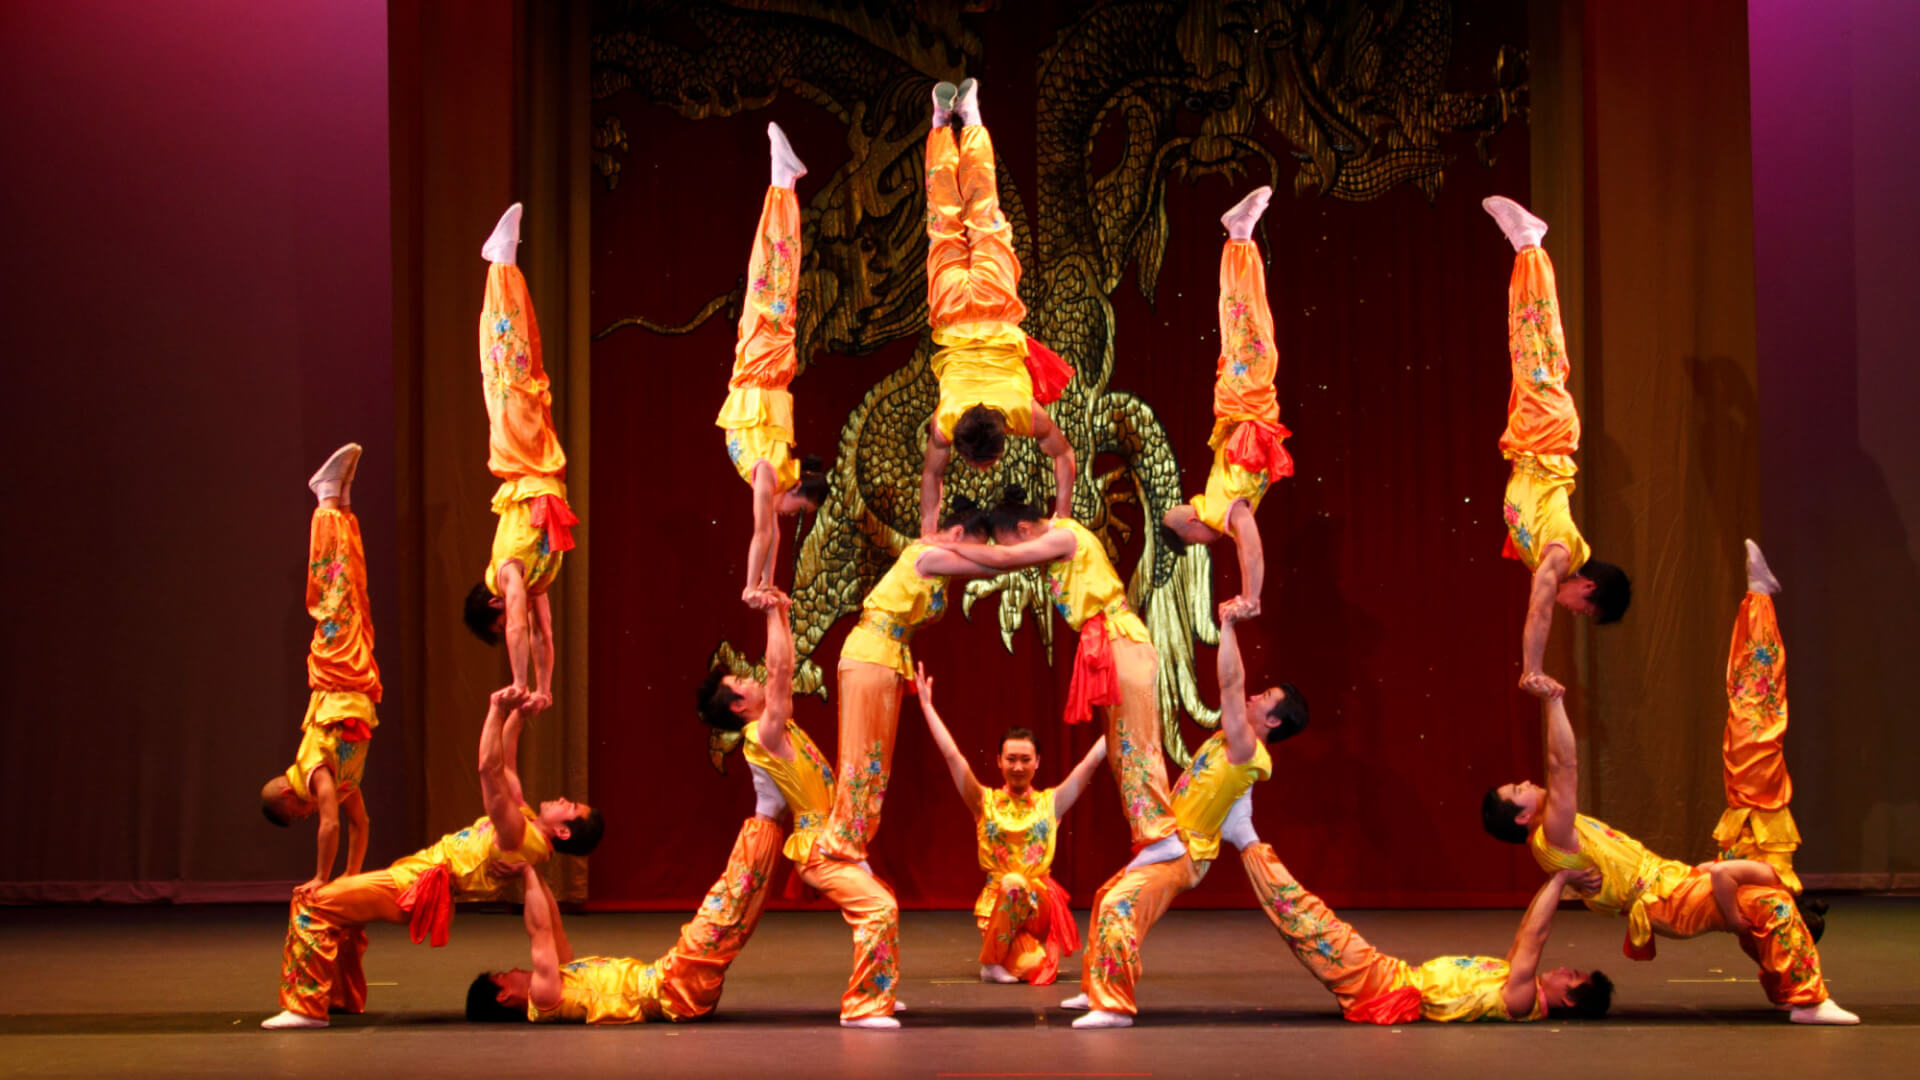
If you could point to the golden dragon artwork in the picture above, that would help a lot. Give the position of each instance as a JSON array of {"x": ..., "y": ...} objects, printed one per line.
[{"x": 1352, "y": 92}]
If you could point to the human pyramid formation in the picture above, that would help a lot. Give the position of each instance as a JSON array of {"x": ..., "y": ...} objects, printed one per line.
[{"x": 995, "y": 381}]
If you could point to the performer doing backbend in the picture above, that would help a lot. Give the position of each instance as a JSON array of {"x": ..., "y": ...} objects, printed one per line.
[
  {"x": 345, "y": 681},
  {"x": 1543, "y": 432},
  {"x": 994, "y": 379},
  {"x": 1025, "y": 923},
  {"x": 758, "y": 413},
  {"x": 1223, "y": 771},
  {"x": 326, "y": 929},
  {"x": 535, "y": 529},
  {"x": 1247, "y": 434}
]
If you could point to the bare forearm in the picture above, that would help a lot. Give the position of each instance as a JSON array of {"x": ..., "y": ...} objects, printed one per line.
[
  {"x": 930, "y": 489},
  {"x": 518, "y": 645},
  {"x": 1533, "y": 639},
  {"x": 1253, "y": 560},
  {"x": 1563, "y": 752},
  {"x": 357, "y": 847},
  {"x": 1063, "y": 475},
  {"x": 779, "y": 654},
  {"x": 1076, "y": 782},
  {"x": 770, "y": 554},
  {"x": 327, "y": 848},
  {"x": 1232, "y": 674},
  {"x": 957, "y": 766}
]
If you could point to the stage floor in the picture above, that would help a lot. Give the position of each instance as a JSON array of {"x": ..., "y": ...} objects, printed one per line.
[{"x": 181, "y": 992}]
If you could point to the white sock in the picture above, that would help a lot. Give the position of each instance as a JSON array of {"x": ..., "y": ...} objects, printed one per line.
[
  {"x": 1165, "y": 849},
  {"x": 506, "y": 236},
  {"x": 967, "y": 105},
  {"x": 330, "y": 481},
  {"x": 1760, "y": 577},
  {"x": 1246, "y": 213},
  {"x": 285, "y": 1020},
  {"x": 1100, "y": 1018},
  {"x": 943, "y": 95},
  {"x": 787, "y": 166},
  {"x": 872, "y": 1023},
  {"x": 1238, "y": 828},
  {"x": 1077, "y": 1001},
  {"x": 1827, "y": 1012},
  {"x": 1522, "y": 228},
  {"x": 994, "y": 973}
]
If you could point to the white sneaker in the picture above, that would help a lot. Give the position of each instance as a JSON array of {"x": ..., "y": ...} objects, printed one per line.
[
  {"x": 285, "y": 1020},
  {"x": 994, "y": 973},
  {"x": 966, "y": 105},
  {"x": 787, "y": 166},
  {"x": 1100, "y": 1018},
  {"x": 1246, "y": 213},
  {"x": 1760, "y": 577},
  {"x": 1077, "y": 1001},
  {"x": 332, "y": 480},
  {"x": 1522, "y": 228},
  {"x": 506, "y": 236},
  {"x": 872, "y": 1023},
  {"x": 943, "y": 95},
  {"x": 1827, "y": 1012}
]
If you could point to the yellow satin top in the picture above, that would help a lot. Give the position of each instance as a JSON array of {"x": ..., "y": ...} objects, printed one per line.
[
  {"x": 604, "y": 990},
  {"x": 902, "y": 602},
  {"x": 469, "y": 856},
  {"x": 759, "y": 426},
  {"x": 1209, "y": 788},
  {"x": 1631, "y": 876},
  {"x": 806, "y": 783},
  {"x": 321, "y": 744},
  {"x": 1227, "y": 484},
  {"x": 1014, "y": 834},
  {"x": 1463, "y": 988},
  {"x": 983, "y": 363},
  {"x": 1536, "y": 510},
  {"x": 516, "y": 537},
  {"x": 1085, "y": 584}
]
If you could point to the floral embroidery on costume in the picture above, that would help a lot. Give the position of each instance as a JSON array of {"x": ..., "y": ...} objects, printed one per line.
[
  {"x": 1115, "y": 948},
  {"x": 775, "y": 282},
  {"x": 1517, "y": 527},
  {"x": 1136, "y": 778},
  {"x": 506, "y": 364},
  {"x": 1242, "y": 342},
  {"x": 877, "y": 958},
  {"x": 1537, "y": 353},
  {"x": 865, "y": 783}
]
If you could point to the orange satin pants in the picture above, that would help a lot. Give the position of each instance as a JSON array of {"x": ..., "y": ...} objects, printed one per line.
[
  {"x": 340, "y": 657},
  {"x": 1779, "y": 941},
  {"x": 869, "y": 719},
  {"x": 1124, "y": 909},
  {"x": 870, "y": 909},
  {"x": 520, "y": 440},
  {"x": 1757, "y": 824},
  {"x": 1133, "y": 744},
  {"x": 1326, "y": 946},
  {"x": 763, "y": 354},
  {"x": 1011, "y": 935},
  {"x": 326, "y": 937},
  {"x": 1541, "y": 418},
  {"x": 972, "y": 273},
  {"x": 1243, "y": 376},
  {"x": 694, "y": 971}
]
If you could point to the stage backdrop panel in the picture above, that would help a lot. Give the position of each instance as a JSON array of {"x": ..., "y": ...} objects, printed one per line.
[{"x": 1123, "y": 133}]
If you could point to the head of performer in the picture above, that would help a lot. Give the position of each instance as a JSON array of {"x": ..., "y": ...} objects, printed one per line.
[
  {"x": 1019, "y": 759},
  {"x": 499, "y": 997},
  {"x": 1015, "y": 519},
  {"x": 485, "y": 614},
  {"x": 1509, "y": 811},
  {"x": 1278, "y": 713},
  {"x": 980, "y": 436},
  {"x": 574, "y": 827},
  {"x": 806, "y": 496},
  {"x": 966, "y": 520},
  {"x": 281, "y": 804},
  {"x": 1601, "y": 591},
  {"x": 728, "y": 701},
  {"x": 1570, "y": 994}
]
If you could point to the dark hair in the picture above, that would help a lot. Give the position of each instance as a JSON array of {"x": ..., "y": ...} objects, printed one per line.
[
  {"x": 1612, "y": 590},
  {"x": 1013, "y": 509},
  {"x": 967, "y": 514},
  {"x": 813, "y": 480},
  {"x": 484, "y": 1005},
  {"x": 1018, "y": 733},
  {"x": 1170, "y": 539},
  {"x": 1501, "y": 817},
  {"x": 583, "y": 834},
  {"x": 480, "y": 613},
  {"x": 1291, "y": 712},
  {"x": 1814, "y": 914},
  {"x": 981, "y": 435},
  {"x": 715, "y": 700},
  {"x": 272, "y": 811},
  {"x": 1588, "y": 1001}
]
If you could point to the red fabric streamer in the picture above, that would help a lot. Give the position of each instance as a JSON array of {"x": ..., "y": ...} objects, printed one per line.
[
  {"x": 1095, "y": 680},
  {"x": 1636, "y": 952},
  {"x": 429, "y": 900},
  {"x": 550, "y": 512},
  {"x": 1400, "y": 1006},
  {"x": 354, "y": 729},
  {"x": 1049, "y": 373},
  {"x": 1255, "y": 445},
  {"x": 1061, "y": 936}
]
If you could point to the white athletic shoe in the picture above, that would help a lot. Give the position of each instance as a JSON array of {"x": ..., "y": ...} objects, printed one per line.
[
  {"x": 1522, "y": 228},
  {"x": 872, "y": 1023},
  {"x": 1100, "y": 1018},
  {"x": 966, "y": 105},
  {"x": 285, "y": 1020},
  {"x": 1246, "y": 213},
  {"x": 787, "y": 166},
  {"x": 943, "y": 96},
  {"x": 1827, "y": 1012},
  {"x": 1077, "y": 1001},
  {"x": 506, "y": 236},
  {"x": 994, "y": 973},
  {"x": 332, "y": 479},
  {"x": 1760, "y": 577}
]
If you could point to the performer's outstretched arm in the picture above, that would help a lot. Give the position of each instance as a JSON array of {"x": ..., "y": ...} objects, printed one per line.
[
  {"x": 1069, "y": 790},
  {"x": 1241, "y": 741},
  {"x": 779, "y": 684},
  {"x": 513, "y": 588},
  {"x": 543, "y": 928},
  {"x": 1053, "y": 442},
  {"x": 1253, "y": 559},
  {"x": 1052, "y": 545},
  {"x": 1523, "y": 957},
  {"x": 932, "y": 480},
  {"x": 1533, "y": 645},
  {"x": 326, "y": 798},
  {"x": 957, "y": 767},
  {"x": 496, "y": 793},
  {"x": 542, "y": 695},
  {"x": 1563, "y": 775},
  {"x": 355, "y": 808},
  {"x": 510, "y": 754}
]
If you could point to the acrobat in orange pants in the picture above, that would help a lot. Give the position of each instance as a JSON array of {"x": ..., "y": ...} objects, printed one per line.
[
  {"x": 1757, "y": 823},
  {"x": 758, "y": 413}
]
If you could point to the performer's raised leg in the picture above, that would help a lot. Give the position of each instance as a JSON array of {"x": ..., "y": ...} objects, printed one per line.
[{"x": 1758, "y": 823}]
